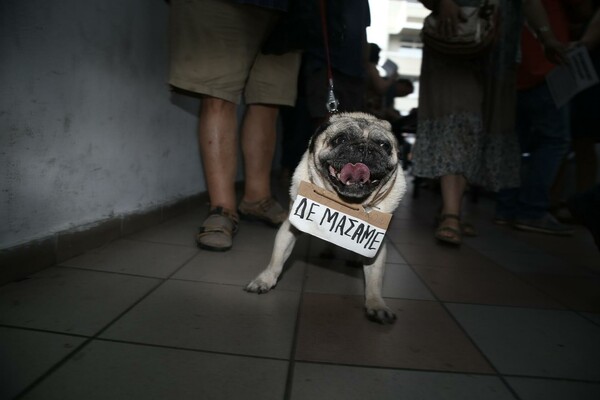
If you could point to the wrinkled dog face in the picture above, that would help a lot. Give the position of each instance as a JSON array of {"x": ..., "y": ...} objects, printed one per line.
[{"x": 356, "y": 154}]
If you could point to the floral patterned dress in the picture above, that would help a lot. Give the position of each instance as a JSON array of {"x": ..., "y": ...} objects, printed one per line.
[{"x": 466, "y": 111}]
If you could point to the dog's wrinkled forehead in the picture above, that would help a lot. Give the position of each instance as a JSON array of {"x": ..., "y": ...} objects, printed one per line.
[
  {"x": 356, "y": 124},
  {"x": 360, "y": 123}
]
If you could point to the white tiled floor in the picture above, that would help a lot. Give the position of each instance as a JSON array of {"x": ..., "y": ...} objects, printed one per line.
[{"x": 509, "y": 315}]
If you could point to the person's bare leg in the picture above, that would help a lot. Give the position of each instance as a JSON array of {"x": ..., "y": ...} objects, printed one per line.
[
  {"x": 258, "y": 146},
  {"x": 453, "y": 187},
  {"x": 217, "y": 134}
]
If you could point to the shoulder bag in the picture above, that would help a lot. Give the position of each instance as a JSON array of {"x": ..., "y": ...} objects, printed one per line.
[{"x": 474, "y": 34}]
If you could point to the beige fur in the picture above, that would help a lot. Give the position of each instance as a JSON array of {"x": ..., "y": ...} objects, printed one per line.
[{"x": 385, "y": 197}]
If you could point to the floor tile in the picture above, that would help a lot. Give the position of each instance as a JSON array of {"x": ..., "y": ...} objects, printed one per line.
[
  {"x": 334, "y": 329},
  {"x": 444, "y": 256},
  {"x": 70, "y": 300},
  {"x": 415, "y": 233},
  {"x": 319, "y": 381},
  {"x": 393, "y": 255},
  {"x": 401, "y": 282},
  {"x": 72, "y": 243},
  {"x": 25, "y": 259},
  {"x": 496, "y": 238},
  {"x": 105, "y": 370},
  {"x": 544, "y": 389},
  {"x": 578, "y": 249},
  {"x": 239, "y": 267},
  {"x": 180, "y": 231},
  {"x": 405, "y": 221},
  {"x": 135, "y": 257},
  {"x": 212, "y": 317},
  {"x": 26, "y": 355},
  {"x": 577, "y": 293},
  {"x": 321, "y": 249},
  {"x": 543, "y": 343},
  {"x": 255, "y": 237},
  {"x": 334, "y": 277},
  {"x": 337, "y": 277},
  {"x": 465, "y": 315},
  {"x": 533, "y": 262},
  {"x": 594, "y": 317},
  {"x": 483, "y": 286}
]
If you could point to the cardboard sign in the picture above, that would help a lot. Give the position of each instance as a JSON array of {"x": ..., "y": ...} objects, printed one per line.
[{"x": 323, "y": 214}]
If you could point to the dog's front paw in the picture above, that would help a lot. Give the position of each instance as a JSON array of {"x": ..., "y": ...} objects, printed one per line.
[
  {"x": 382, "y": 315},
  {"x": 379, "y": 312},
  {"x": 262, "y": 284}
]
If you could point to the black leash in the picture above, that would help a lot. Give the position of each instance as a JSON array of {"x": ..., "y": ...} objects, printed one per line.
[{"x": 332, "y": 102}]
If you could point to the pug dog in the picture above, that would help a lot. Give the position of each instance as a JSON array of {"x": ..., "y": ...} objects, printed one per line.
[{"x": 356, "y": 156}]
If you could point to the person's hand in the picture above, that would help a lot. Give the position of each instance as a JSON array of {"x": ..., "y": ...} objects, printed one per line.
[
  {"x": 448, "y": 16},
  {"x": 555, "y": 51}
]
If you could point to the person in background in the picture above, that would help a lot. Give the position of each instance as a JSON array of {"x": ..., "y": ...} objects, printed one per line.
[
  {"x": 585, "y": 118},
  {"x": 215, "y": 50},
  {"x": 585, "y": 206},
  {"x": 347, "y": 21},
  {"x": 402, "y": 87},
  {"x": 347, "y": 64},
  {"x": 381, "y": 91},
  {"x": 542, "y": 128},
  {"x": 377, "y": 86},
  {"x": 465, "y": 132}
]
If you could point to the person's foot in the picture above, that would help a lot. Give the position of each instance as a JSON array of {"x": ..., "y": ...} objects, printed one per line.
[
  {"x": 562, "y": 214},
  {"x": 449, "y": 229},
  {"x": 546, "y": 224},
  {"x": 466, "y": 228},
  {"x": 217, "y": 230},
  {"x": 267, "y": 210},
  {"x": 503, "y": 221}
]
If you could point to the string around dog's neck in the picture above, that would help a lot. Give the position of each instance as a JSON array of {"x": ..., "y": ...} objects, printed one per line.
[{"x": 379, "y": 195}]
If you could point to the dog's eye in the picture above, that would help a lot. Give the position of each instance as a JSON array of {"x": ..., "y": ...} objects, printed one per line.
[
  {"x": 385, "y": 146},
  {"x": 339, "y": 139}
]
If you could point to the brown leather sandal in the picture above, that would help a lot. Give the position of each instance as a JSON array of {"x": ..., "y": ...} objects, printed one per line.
[
  {"x": 441, "y": 233},
  {"x": 467, "y": 228},
  {"x": 267, "y": 210},
  {"x": 217, "y": 230}
]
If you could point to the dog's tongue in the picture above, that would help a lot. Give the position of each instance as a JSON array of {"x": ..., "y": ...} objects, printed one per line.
[{"x": 354, "y": 173}]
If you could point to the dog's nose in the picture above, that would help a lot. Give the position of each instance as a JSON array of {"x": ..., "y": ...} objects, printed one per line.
[{"x": 363, "y": 148}]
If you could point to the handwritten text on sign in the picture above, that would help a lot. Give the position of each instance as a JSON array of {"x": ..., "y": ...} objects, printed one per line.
[{"x": 327, "y": 220}]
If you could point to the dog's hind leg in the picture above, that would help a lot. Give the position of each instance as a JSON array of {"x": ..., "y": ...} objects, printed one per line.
[
  {"x": 375, "y": 306},
  {"x": 284, "y": 244}
]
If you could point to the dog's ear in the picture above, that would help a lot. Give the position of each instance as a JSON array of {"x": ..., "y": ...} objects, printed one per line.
[{"x": 313, "y": 138}]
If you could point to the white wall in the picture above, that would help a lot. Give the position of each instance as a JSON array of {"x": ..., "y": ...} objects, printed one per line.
[
  {"x": 88, "y": 127},
  {"x": 390, "y": 17}
]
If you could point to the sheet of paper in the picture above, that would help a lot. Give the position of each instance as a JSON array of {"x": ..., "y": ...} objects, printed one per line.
[
  {"x": 565, "y": 81},
  {"x": 390, "y": 67}
]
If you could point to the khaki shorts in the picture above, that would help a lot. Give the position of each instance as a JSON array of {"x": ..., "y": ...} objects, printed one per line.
[{"x": 215, "y": 51}]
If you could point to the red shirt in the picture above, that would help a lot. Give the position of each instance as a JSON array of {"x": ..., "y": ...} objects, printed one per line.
[{"x": 534, "y": 66}]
